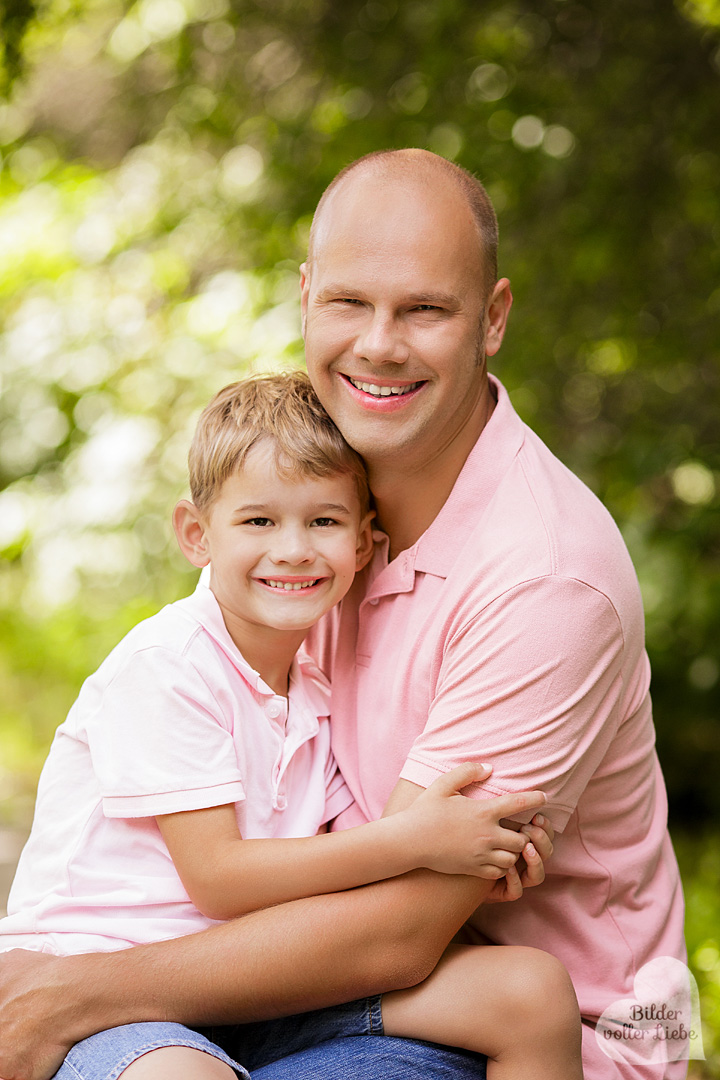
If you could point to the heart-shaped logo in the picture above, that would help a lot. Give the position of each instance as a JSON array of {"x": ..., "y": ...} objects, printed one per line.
[{"x": 661, "y": 1023}]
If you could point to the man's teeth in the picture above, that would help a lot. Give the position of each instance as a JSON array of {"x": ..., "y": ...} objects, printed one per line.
[
  {"x": 383, "y": 391},
  {"x": 288, "y": 585}
]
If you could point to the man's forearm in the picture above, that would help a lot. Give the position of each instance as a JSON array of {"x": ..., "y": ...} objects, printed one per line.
[{"x": 292, "y": 958}]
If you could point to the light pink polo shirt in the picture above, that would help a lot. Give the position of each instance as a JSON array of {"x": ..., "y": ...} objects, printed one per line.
[
  {"x": 174, "y": 719},
  {"x": 513, "y": 633}
]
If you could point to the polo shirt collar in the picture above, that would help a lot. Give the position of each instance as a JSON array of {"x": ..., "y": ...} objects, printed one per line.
[
  {"x": 203, "y": 607},
  {"x": 439, "y": 546},
  {"x": 307, "y": 683}
]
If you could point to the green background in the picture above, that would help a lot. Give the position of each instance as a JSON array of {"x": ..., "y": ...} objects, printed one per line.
[{"x": 160, "y": 164}]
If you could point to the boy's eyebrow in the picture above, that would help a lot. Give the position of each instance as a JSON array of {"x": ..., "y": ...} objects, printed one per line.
[{"x": 251, "y": 508}]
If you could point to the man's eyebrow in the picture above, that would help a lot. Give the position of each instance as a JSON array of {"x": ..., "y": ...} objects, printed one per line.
[
  {"x": 437, "y": 299},
  {"x": 434, "y": 299}
]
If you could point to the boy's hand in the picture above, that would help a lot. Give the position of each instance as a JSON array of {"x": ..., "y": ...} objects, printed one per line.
[
  {"x": 530, "y": 867},
  {"x": 457, "y": 835}
]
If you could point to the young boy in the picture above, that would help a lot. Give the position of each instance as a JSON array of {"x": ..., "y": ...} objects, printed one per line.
[{"x": 193, "y": 777}]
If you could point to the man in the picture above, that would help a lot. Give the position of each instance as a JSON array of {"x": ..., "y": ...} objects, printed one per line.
[{"x": 500, "y": 621}]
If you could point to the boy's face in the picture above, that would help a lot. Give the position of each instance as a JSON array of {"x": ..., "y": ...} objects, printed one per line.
[{"x": 282, "y": 551}]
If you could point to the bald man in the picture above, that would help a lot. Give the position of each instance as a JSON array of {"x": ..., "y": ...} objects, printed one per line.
[{"x": 500, "y": 620}]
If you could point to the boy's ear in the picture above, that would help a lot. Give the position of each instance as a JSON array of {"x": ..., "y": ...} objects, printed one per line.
[
  {"x": 365, "y": 545},
  {"x": 190, "y": 532}
]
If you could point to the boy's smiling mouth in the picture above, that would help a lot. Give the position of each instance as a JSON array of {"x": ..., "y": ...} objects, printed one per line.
[{"x": 290, "y": 584}]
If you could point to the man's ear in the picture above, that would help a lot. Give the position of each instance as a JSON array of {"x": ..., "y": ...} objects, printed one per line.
[
  {"x": 365, "y": 544},
  {"x": 304, "y": 290},
  {"x": 190, "y": 532},
  {"x": 497, "y": 316}
]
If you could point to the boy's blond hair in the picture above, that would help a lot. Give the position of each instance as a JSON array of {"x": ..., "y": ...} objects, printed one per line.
[{"x": 285, "y": 410}]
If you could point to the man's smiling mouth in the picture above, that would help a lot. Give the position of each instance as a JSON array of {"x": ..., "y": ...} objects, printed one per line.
[{"x": 383, "y": 391}]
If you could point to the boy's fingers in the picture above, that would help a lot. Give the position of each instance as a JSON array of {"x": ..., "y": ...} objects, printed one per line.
[
  {"x": 508, "y": 840},
  {"x": 507, "y": 805},
  {"x": 470, "y": 772}
]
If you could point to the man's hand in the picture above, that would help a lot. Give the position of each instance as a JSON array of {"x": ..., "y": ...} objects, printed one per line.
[
  {"x": 530, "y": 867},
  {"x": 33, "y": 1016}
]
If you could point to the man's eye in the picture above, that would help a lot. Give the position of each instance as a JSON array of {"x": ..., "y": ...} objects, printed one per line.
[{"x": 427, "y": 307}]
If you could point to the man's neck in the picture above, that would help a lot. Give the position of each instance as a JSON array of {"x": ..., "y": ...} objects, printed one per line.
[{"x": 408, "y": 500}]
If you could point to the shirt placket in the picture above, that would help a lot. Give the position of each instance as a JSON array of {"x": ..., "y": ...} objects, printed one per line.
[{"x": 276, "y": 711}]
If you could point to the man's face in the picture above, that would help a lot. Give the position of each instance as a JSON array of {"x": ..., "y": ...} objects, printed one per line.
[{"x": 394, "y": 317}]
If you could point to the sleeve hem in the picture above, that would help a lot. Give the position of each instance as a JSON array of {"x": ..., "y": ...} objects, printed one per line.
[
  {"x": 423, "y": 774},
  {"x": 172, "y": 802}
]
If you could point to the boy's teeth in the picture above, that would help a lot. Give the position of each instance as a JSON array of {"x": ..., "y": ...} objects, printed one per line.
[
  {"x": 291, "y": 585},
  {"x": 383, "y": 391}
]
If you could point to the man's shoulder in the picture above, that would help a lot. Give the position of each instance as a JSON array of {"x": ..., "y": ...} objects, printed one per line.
[{"x": 543, "y": 522}]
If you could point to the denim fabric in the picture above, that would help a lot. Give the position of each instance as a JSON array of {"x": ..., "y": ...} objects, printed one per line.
[
  {"x": 256, "y": 1045},
  {"x": 371, "y": 1058},
  {"x": 106, "y": 1055},
  {"x": 341, "y": 1043}
]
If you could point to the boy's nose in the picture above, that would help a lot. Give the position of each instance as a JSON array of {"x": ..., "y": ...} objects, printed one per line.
[{"x": 293, "y": 549}]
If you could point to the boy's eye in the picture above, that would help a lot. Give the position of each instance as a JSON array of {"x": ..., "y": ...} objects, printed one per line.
[
  {"x": 323, "y": 522},
  {"x": 261, "y": 522}
]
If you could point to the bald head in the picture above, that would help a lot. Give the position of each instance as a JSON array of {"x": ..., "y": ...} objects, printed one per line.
[{"x": 414, "y": 167}]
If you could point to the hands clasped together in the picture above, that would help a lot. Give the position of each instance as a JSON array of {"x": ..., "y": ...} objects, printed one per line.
[{"x": 458, "y": 835}]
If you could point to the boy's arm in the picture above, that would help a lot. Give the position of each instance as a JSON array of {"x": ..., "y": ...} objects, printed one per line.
[
  {"x": 226, "y": 876},
  {"x": 291, "y": 958}
]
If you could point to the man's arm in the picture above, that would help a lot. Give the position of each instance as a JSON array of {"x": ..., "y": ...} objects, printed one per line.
[
  {"x": 227, "y": 876},
  {"x": 299, "y": 956}
]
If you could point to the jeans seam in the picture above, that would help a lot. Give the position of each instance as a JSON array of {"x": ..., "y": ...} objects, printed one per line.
[{"x": 375, "y": 1022}]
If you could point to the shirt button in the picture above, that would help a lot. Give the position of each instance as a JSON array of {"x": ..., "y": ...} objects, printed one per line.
[
  {"x": 281, "y": 801},
  {"x": 273, "y": 710},
  {"x": 374, "y": 601}
]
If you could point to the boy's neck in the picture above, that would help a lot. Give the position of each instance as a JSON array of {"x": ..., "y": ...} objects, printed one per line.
[{"x": 268, "y": 651}]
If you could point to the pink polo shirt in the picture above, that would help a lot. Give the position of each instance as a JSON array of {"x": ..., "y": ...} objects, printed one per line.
[
  {"x": 512, "y": 633},
  {"x": 174, "y": 719}
]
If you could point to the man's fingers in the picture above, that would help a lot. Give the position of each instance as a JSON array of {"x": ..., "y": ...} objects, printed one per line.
[
  {"x": 513, "y": 885},
  {"x": 537, "y": 836},
  {"x": 534, "y": 873}
]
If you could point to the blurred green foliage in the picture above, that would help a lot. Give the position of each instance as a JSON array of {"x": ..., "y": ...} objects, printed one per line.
[{"x": 160, "y": 164}]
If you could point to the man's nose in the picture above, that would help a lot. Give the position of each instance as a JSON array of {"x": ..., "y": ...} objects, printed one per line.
[{"x": 380, "y": 340}]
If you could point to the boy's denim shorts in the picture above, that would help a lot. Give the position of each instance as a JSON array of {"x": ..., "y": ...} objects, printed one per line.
[{"x": 243, "y": 1047}]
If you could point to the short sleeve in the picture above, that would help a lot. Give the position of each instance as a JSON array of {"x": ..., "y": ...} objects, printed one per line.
[
  {"x": 159, "y": 742},
  {"x": 531, "y": 685}
]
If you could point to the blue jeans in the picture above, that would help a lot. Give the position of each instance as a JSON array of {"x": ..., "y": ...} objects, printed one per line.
[{"x": 339, "y": 1043}]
